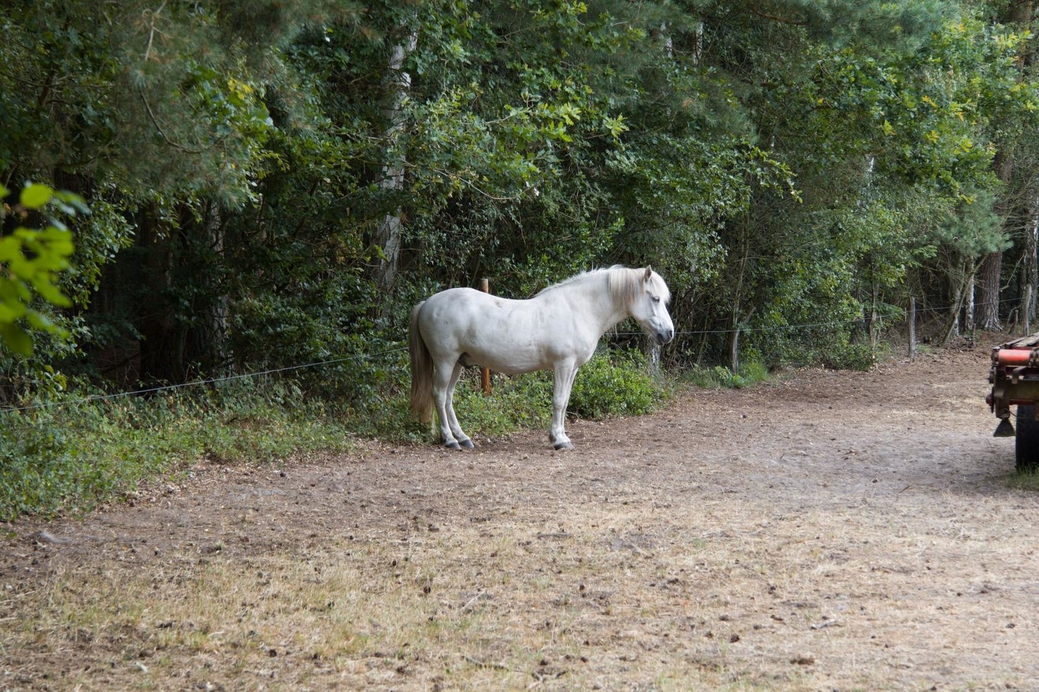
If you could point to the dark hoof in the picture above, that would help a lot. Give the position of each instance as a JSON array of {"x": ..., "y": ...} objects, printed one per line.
[
  {"x": 563, "y": 446},
  {"x": 468, "y": 444},
  {"x": 452, "y": 445}
]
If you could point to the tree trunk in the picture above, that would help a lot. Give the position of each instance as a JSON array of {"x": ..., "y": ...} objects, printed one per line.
[
  {"x": 990, "y": 276},
  {"x": 969, "y": 320},
  {"x": 874, "y": 319},
  {"x": 387, "y": 237},
  {"x": 161, "y": 337},
  {"x": 987, "y": 300},
  {"x": 1021, "y": 13},
  {"x": 735, "y": 317},
  {"x": 1031, "y": 261},
  {"x": 209, "y": 333},
  {"x": 182, "y": 308},
  {"x": 965, "y": 295},
  {"x": 734, "y": 350}
]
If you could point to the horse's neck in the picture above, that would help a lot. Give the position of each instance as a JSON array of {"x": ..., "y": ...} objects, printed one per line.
[{"x": 599, "y": 304}]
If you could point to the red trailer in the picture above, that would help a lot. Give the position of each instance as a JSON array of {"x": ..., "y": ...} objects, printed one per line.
[{"x": 1014, "y": 377}]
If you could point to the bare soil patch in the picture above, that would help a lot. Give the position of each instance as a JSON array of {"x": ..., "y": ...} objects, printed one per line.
[{"x": 830, "y": 530}]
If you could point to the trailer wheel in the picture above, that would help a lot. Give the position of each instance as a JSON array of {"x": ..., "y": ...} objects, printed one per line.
[{"x": 1026, "y": 445}]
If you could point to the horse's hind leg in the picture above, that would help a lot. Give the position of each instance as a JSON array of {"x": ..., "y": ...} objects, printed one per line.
[
  {"x": 456, "y": 428},
  {"x": 442, "y": 375},
  {"x": 445, "y": 378}
]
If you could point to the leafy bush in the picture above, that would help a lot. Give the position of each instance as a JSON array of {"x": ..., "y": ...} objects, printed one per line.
[
  {"x": 615, "y": 384},
  {"x": 750, "y": 373},
  {"x": 522, "y": 401},
  {"x": 850, "y": 356}
]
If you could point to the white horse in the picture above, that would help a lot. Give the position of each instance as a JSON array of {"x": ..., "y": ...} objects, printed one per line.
[{"x": 558, "y": 328}]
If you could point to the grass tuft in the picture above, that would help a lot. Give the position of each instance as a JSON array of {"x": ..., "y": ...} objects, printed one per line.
[
  {"x": 720, "y": 377},
  {"x": 1024, "y": 480}
]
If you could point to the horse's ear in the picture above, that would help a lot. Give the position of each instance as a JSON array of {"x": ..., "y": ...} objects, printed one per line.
[{"x": 649, "y": 273}]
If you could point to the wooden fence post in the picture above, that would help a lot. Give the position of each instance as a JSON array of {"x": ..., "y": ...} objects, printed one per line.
[
  {"x": 912, "y": 329},
  {"x": 485, "y": 373}
]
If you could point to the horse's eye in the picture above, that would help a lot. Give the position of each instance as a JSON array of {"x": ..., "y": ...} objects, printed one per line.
[{"x": 656, "y": 299}]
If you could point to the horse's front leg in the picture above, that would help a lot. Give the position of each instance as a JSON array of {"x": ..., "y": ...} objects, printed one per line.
[
  {"x": 563, "y": 382},
  {"x": 445, "y": 378}
]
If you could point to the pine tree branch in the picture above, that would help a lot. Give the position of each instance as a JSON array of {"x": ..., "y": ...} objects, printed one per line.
[
  {"x": 782, "y": 20},
  {"x": 166, "y": 138},
  {"x": 152, "y": 30}
]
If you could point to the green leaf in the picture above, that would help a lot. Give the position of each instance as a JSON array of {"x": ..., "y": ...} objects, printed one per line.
[
  {"x": 73, "y": 200},
  {"x": 36, "y": 195},
  {"x": 11, "y": 312},
  {"x": 13, "y": 295},
  {"x": 51, "y": 294},
  {"x": 9, "y": 249},
  {"x": 40, "y": 321},
  {"x": 16, "y": 339}
]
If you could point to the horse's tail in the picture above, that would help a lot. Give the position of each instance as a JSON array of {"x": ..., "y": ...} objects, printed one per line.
[{"x": 421, "y": 372}]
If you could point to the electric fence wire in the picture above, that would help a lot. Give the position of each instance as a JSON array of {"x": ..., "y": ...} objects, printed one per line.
[
  {"x": 197, "y": 383},
  {"x": 334, "y": 361}
]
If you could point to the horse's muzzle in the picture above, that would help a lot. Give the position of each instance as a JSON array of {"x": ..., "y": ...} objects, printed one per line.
[{"x": 665, "y": 337}]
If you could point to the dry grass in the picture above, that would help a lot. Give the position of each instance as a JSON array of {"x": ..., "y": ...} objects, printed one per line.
[{"x": 766, "y": 542}]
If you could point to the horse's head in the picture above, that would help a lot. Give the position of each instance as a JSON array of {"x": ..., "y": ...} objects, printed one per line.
[{"x": 649, "y": 307}]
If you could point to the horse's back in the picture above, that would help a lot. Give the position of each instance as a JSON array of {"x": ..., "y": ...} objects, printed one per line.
[
  {"x": 445, "y": 317},
  {"x": 454, "y": 307},
  {"x": 506, "y": 335}
]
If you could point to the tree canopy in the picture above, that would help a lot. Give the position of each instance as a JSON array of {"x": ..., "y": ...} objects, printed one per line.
[{"x": 276, "y": 183}]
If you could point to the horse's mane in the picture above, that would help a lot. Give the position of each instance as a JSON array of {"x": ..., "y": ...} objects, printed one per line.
[{"x": 624, "y": 283}]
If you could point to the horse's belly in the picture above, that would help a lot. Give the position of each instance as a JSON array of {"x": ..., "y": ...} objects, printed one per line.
[{"x": 514, "y": 361}]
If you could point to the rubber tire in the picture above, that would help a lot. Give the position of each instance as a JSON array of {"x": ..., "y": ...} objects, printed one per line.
[{"x": 1026, "y": 444}]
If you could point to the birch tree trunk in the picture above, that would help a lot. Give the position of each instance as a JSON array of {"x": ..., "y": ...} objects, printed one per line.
[
  {"x": 387, "y": 236},
  {"x": 970, "y": 322},
  {"x": 1031, "y": 260}
]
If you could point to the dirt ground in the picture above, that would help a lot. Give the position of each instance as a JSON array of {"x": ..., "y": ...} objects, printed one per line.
[{"x": 825, "y": 531}]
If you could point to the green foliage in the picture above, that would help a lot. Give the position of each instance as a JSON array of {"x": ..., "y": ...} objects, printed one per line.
[
  {"x": 69, "y": 457},
  {"x": 615, "y": 384},
  {"x": 522, "y": 401},
  {"x": 719, "y": 377},
  {"x": 1024, "y": 480},
  {"x": 793, "y": 166},
  {"x": 31, "y": 261},
  {"x": 854, "y": 356},
  {"x": 891, "y": 145}
]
